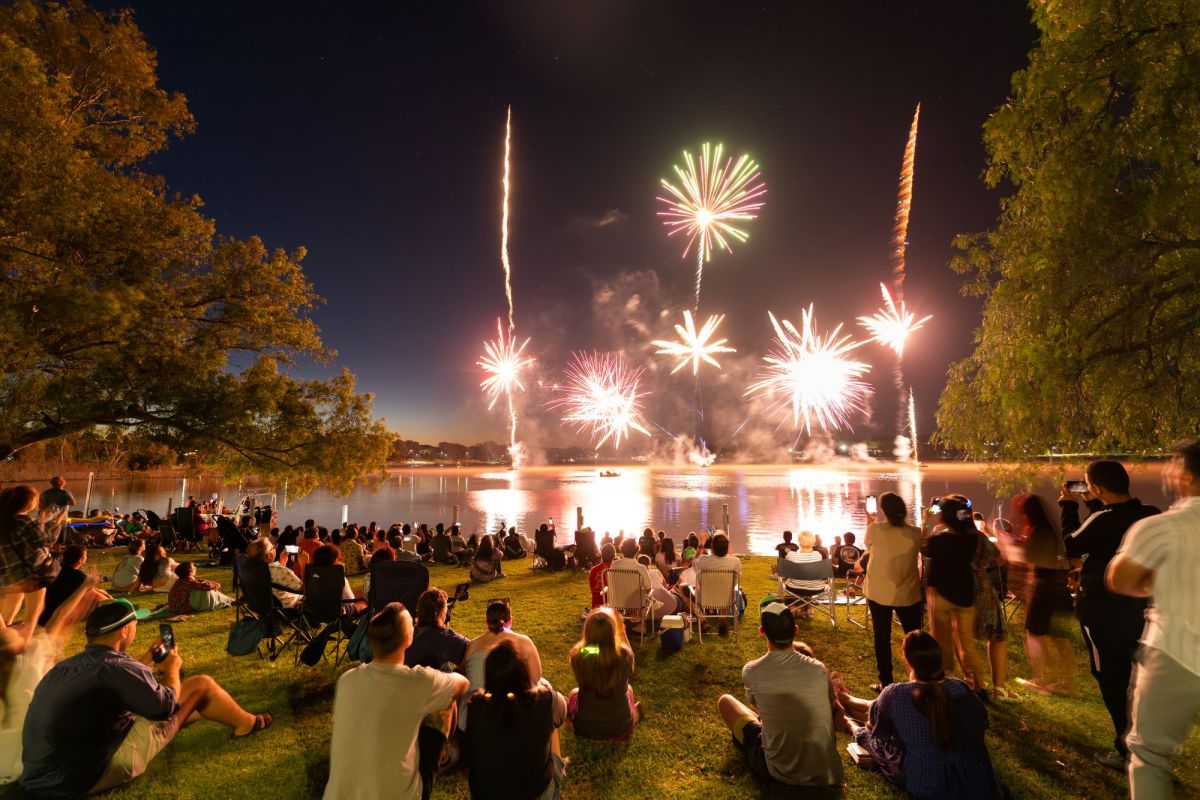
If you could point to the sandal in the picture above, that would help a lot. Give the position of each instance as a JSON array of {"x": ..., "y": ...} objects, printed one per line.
[
  {"x": 261, "y": 723},
  {"x": 1007, "y": 695}
]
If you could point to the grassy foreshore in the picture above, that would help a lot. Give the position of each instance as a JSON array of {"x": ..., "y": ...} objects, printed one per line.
[{"x": 1042, "y": 747}]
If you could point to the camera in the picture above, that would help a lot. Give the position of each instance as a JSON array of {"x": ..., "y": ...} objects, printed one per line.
[{"x": 462, "y": 591}]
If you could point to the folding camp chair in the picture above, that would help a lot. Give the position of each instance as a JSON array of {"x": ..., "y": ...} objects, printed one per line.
[
  {"x": 587, "y": 555},
  {"x": 628, "y": 591},
  {"x": 797, "y": 597},
  {"x": 323, "y": 610},
  {"x": 261, "y": 603},
  {"x": 716, "y": 598},
  {"x": 856, "y": 598},
  {"x": 399, "y": 582}
]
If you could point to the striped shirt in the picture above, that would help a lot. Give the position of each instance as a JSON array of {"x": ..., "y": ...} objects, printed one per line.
[
  {"x": 801, "y": 557},
  {"x": 1169, "y": 544}
]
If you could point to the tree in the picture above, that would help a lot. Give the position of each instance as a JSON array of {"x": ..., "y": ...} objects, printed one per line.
[
  {"x": 1091, "y": 275},
  {"x": 120, "y": 304}
]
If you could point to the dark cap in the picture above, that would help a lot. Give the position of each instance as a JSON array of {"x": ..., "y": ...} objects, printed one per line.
[
  {"x": 111, "y": 616},
  {"x": 777, "y": 621}
]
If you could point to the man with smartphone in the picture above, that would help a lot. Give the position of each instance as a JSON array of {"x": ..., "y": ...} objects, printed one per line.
[
  {"x": 98, "y": 718},
  {"x": 1111, "y": 623}
]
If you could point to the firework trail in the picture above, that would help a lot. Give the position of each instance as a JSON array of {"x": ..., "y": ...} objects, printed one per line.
[
  {"x": 813, "y": 375},
  {"x": 912, "y": 425},
  {"x": 601, "y": 397},
  {"x": 712, "y": 195},
  {"x": 903, "y": 206},
  {"x": 694, "y": 346},
  {"x": 503, "y": 361},
  {"x": 512, "y": 325}
]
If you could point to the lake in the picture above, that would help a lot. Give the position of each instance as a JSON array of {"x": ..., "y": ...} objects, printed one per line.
[{"x": 761, "y": 500}]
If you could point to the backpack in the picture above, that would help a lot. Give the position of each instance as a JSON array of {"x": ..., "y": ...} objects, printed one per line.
[
  {"x": 244, "y": 636},
  {"x": 357, "y": 647}
]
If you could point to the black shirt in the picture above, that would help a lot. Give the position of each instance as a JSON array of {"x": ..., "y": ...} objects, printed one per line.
[
  {"x": 432, "y": 647},
  {"x": 509, "y": 743},
  {"x": 950, "y": 554},
  {"x": 68, "y": 580},
  {"x": 1097, "y": 540}
]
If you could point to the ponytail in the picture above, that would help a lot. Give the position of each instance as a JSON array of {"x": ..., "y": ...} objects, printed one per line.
[{"x": 934, "y": 704}]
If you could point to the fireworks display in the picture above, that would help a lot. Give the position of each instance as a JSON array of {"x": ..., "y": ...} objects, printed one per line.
[
  {"x": 891, "y": 325},
  {"x": 503, "y": 361},
  {"x": 694, "y": 346},
  {"x": 601, "y": 397},
  {"x": 813, "y": 375},
  {"x": 712, "y": 196},
  {"x": 512, "y": 325},
  {"x": 903, "y": 206}
]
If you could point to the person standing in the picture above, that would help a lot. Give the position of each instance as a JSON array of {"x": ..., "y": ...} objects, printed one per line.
[
  {"x": 951, "y": 584},
  {"x": 1159, "y": 559},
  {"x": 1111, "y": 623},
  {"x": 893, "y": 584},
  {"x": 57, "y": 495}
]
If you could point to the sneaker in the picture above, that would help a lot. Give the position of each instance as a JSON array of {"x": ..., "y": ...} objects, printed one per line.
[{"x": 1112, "y": 759}]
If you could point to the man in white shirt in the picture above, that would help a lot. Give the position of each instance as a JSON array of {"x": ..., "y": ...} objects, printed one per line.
[
  {"x": 628, "y": 563},
  {"x": 378, "y": 710},
  {"x": 719, "y": 560},
  {"x": 1160, "y": 558}
]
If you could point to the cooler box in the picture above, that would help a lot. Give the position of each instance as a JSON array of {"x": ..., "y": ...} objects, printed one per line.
[{"x": 675, "y": 631}]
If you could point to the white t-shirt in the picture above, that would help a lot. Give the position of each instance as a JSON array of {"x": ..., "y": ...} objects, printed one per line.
[
  {"x": 28, "y": 670},
  {"x": 1169, "y": 544},
  {"x": 127, "y": 571},
  {"x": 377, "y": 711}
]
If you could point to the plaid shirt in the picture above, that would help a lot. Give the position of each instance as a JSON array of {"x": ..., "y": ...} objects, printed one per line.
[
  {"x": 177, "y": 598},
  {"x": 27, "y": 554}
]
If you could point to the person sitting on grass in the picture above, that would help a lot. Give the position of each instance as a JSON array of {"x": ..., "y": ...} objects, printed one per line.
[
  {"x": 665, "y": 558},
  {"x": 353, "y": 555},
  {"x": 27, "y": 652},
  {"x": 603, "y": 707},
  {"x": 787, "y": 545},
  {"x": 499, "y": 630},
  {"x": 99, "y": 718},
  {"x": 512, "y": 739},
  {"x": 191, "y": 595},
  {"x": 434, "y": 643},
  {"x": 786, "y": 732},
  {"x": 125, "y": 578},
  {"x": 926, "y": 735},
  {"x": 596, "y": 574},
  {"x": 157, "y": 573},
  {"x": 69, "y": 579},
  {"x": 514, "y": 546},
  {"x": 486, "y": 566},
  {"x": 443, "y": 546},
  {"x": 380, "y": 748}
]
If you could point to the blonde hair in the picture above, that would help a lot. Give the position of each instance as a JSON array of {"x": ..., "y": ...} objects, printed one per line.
[
  {"x": 806, "y": 540},
  {"x": 596, "y": 658}
]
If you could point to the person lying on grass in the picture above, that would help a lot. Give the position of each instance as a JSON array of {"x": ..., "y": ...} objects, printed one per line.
[
  {"x": 383, "y": 743},
  {"x": 190, "y": 595},
  {"x": 786, "y": 732},
  {"x": 98, "y": 718},
  {"x": 926, "y": 735}
]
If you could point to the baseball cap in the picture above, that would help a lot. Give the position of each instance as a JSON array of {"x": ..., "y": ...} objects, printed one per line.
[
  {"x": 777, "y": 620},
  {"x": 108, "y": 617},
  {"x": 689, "y": 553}
]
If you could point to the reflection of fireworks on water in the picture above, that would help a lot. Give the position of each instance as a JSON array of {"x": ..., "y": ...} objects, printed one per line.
[
  {"x": 503, "y": 361},
  {"x": 890, "y": 326},
  {"x": 692, "y": 345},
  {"x": 710, "y": 198},
  {"x": 601, "y": 397},
  {"x": 812, "y": 374}
]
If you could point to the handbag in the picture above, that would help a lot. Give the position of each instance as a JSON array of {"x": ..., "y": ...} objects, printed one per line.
[{"x": 244, "y": 637}]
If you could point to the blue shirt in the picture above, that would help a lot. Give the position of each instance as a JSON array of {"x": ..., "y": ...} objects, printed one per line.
[
  {"x": 901, "y": 740},
  {"x": 80, "y": 714}
]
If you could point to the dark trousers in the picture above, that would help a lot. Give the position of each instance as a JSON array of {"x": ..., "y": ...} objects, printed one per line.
[
  {"x": 430, "y": 742},
  {"x": 881, "y": 626},
  {"x": 1111, "y": 629}
]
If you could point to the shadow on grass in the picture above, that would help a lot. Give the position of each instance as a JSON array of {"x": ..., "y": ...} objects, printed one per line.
[
  {"x": 310, "y": 698},
  {"x": 316, "y": 776}
]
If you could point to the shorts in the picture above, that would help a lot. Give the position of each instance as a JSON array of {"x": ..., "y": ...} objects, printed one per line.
[
  {"x": 1048, "y": 598},
  {"x": 142, "y": 743},
  {"x": 747, "y": 737}
]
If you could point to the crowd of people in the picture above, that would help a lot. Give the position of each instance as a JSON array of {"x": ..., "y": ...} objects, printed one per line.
[{"x": 430, "y": 699}]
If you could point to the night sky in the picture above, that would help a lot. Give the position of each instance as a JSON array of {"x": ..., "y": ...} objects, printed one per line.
[{"x": 372, "y": 135}]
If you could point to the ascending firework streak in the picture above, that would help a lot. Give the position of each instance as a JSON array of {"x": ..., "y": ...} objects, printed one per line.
[
  {"x": 601, "y": 396},
  {"x": 711, "y": 196},
  {"x": 512, "y": 325},
  {"x": 692, "y": 346},
  {"x": 903, "y": 206},
  {"x": 812, "y": 374},
  {"x": 912, "y": 425}
]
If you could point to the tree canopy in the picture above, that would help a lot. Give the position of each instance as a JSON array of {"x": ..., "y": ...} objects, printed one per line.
[
  {"x": 120, "y": 304},
  {"x": 1089, "y": 335}
]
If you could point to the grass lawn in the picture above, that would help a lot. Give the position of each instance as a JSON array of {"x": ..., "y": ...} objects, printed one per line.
[{"x": 1042, "y": 747}]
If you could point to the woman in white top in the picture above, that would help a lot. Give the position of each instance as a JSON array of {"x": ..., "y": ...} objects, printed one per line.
[
  {"x": 125, "y": 579},
  {"x": 499, "y": 629},
  {"x": 893, "y": 585},
  {"x": 27, "y": 653},
  {"x": 665, "y": 559}
]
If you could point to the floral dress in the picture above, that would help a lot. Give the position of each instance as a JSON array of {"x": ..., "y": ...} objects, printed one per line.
[{"x": 989, "y": 613}]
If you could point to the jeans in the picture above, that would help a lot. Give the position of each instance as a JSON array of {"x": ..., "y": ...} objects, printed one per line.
[{"x": 881, "y": 626}]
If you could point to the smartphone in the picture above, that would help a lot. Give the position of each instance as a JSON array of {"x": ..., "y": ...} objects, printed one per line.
[
  {"x": 979, "y": 525},
  {"x": 934, "y": 508},
  {"x": 1077, "y": 487},
  {"x": 550, "y": 522},
  {"x": 292, "y": 548},
  {"x": 164, "y": 645},
  {"x": 872, "y": 504},
  {"x": 167, "y": 634}
]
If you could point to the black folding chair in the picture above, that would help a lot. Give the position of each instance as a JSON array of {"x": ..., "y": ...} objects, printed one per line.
[
  {"x": 324, "y": 613},
  {"x": 822, "y": 600},
  {"x": 233, "y": 541},
  {"x": 587, "y": 555},
  {"x": 397, "y": 582},
  {"x": 254, "y": 579}
]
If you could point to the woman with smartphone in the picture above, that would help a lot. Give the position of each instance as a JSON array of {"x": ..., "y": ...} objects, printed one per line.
[
  {"x": 893, "y": 585},
  {"x": 25, "y": 539}
]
